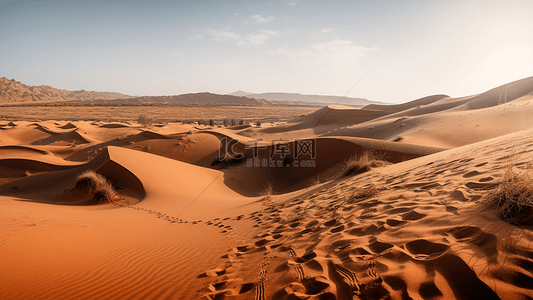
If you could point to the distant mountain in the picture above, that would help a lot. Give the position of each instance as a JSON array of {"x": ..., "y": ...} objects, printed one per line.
[
  {"x": 197, "y": 98},
  {"x": 240, "y": 93},
  {"x": 302, "y": 99},
  {"x": 12, "y": 91}
]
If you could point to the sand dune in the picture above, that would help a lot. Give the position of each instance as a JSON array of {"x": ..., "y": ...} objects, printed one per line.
[
  {"x": 454, "y": 122},
  {"x": 278, "y": 217},
  {"x": 405, "y": 106}
]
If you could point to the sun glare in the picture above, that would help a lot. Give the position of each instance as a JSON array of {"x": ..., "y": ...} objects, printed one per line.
[{"x": 509, "y": 61}]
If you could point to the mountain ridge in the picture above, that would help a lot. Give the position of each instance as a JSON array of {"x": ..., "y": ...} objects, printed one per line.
[
  {"x": 305, "y": 98},
  {"x": 12, "y": 91}
]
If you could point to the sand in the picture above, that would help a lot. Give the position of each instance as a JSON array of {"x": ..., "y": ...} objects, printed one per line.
[{"x": 181, "y": 227}]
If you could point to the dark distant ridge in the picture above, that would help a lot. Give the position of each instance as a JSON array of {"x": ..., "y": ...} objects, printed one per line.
[
  {"x": 195, "y": 98},
  {"x": 317, "y": 99},
  {"x": 13, "y": 92}
]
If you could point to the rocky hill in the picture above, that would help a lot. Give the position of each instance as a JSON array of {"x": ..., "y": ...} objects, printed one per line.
[
  {"x": 13, "y": 92},
  {"x": 194, "y": 98}
]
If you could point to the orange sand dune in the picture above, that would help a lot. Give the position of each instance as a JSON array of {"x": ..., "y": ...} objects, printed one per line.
[
  {"x": 331, "y": 115},
  {"x": 450, "y": 123},
  {"x": 186, "y": 225},
  {"x": 421, "y": 236},
  {"x": 405, "y": 106},
  {"x": 199, "y": 148},
  {"x": 294, "y": 173}
]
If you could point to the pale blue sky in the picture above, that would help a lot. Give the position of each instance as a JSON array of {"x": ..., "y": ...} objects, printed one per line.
[{"x": 407, "y": 49}]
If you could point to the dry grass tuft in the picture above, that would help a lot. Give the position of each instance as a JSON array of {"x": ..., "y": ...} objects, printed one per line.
[
  {"x": 227, "y": 159},
  {"x": 513, "y": 197},
  {"x": 100, "y": 190},
  {"x": 267, "y": 192},
  {"x": 317, "y": 180},
  {"x": 363, "y": 163},
  {"x": 365, "y": 192}
]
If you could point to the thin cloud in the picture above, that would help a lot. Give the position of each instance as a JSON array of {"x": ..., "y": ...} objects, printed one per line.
[
  {"x": 260, "y": 19},
  {"x": 223, "y": 35},
  {"x": 253, "y": 39},
  {"x": 336, "y": 54},
  {"x": 259, "y": 38}
]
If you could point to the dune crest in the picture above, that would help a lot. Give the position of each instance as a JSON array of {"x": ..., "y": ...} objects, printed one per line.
[{"x": 379, "y": 202}]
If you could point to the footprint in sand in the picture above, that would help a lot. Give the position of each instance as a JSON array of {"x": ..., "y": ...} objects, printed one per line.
[
  {"x": 487, "y": 243},
  {"x": 459, "y": 195},
  {"x": 480, "y": 185},
  {"x": 486, "y": 179},
  {"x": 423, "y": 249},
  {"x": 412, "y": 216},
  {"x": 379, "y": 247},
  {"x": 471, "y": 174},
  {"x": 395, "y": 223}
]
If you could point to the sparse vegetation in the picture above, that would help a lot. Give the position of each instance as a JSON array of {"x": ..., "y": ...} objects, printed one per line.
[
  {"x": 99, "y": 189},
  {"x": 513, "y": 197},
  {"x": 267, "y": 191},
  {"x": 363, "y": 163},
  {"x": 145, "y": 121},
  {"x": 317, "y": 180},
  {"x": 258, "y": 123},
  {"x": 398, "y": 138},
  {"x": 232, "y": 122},
  {"x": 227, "y": 159},
  {"x": 160, "y": 112},
  {"x": 365, "y": 192}
]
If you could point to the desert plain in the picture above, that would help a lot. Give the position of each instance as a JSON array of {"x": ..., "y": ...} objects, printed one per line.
[{"x": 376, "y": 202}]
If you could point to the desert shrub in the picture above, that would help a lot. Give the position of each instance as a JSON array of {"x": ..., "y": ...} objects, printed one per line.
[
  {"x": 241, "y": 122},
  {"x": 226, "y": 122},
  {"x": 258, "y": 123},
  {"x": 363, "y": 163},
  {"x": 99, "y": 189},
  {"x": 211, "y": 123},
  {"x": 513, "y": 197},
  {"x": 398, "y": 138},
  {"x": 267, "y": 191},
  {"x": 228, "y": 159},
  {"x": 145, "y": 121},
  {"x": 317, "y": 180},
  {"x": 365, "y": 192}
]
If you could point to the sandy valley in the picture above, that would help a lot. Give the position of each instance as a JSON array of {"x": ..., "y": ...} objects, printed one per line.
[{"x": 339, "y": 202}]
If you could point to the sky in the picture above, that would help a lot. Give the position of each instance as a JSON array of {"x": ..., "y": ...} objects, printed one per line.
[{"x": 389, "y": 51}]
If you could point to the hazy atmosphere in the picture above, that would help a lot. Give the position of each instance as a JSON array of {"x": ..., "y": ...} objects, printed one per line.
[
  {"x": 402, "y": 50},
  {"x": 284, "y": 150}
]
